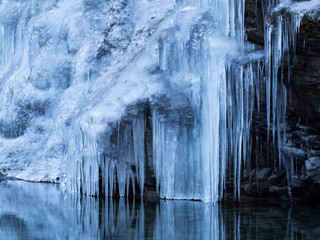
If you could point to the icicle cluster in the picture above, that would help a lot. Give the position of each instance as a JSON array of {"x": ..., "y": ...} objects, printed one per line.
[
  {"x": 190, "y": 159},
  {"x": 280, "y": 42},
  {"x": 196, "y": 151},
  {"x": 96, "y": 172},
  {"x": 200, "y": 155}
]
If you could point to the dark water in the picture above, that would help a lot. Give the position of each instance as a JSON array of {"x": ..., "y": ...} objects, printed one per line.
[{"x": 44, "y": 211}]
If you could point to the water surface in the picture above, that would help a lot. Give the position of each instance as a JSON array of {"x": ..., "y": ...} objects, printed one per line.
[{"x": 44, "y": 211}]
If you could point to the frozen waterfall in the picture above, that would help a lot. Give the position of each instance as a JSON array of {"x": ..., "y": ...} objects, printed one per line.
[
  {"x": 201, "y": 143},
  {"x": 120, "y": 98},
  {"x": 194, "y": 146}
]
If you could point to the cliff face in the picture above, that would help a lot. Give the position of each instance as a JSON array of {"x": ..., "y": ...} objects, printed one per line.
[
  {"x": 304, "y": 107},
  {"x": 304, "y": 61},
  {"x": 254, "y": 22},
  {"x": 299, "y": 70},
  {"x": 306, "y": 70}
]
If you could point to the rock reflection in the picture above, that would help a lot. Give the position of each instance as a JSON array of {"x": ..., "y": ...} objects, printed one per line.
[{"x": 43, "y": 211}]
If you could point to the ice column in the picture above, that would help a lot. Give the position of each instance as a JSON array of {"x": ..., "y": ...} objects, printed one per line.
[
  {"x": 224, "y": 115},
  {"x": 138, "y": 128},
  {"x": 213, "y": 77}
]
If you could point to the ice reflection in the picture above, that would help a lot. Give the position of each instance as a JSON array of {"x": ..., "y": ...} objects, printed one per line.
[{"x": 43, "y": 211}]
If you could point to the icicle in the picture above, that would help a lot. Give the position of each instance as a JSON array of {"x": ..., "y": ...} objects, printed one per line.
[
  {"x": 138, "y": 128},
  {"x": 7, "y": 46},
  {"x": 157, "y": 147},
  {"x": 268, "y": 51},
  {"x": 122, "y": 178},
  {"x": 223, "y": 146}
]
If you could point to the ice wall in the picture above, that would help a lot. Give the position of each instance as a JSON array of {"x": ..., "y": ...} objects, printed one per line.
[
  {"x": 204, "y": 128},
  {"x": 218, "y": 139},
  {"x": 73, "y": 74},
  {"x": 221, "y": 79}
]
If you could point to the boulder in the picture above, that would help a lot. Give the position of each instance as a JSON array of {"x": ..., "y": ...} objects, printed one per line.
[
  {"x": 264, "y": 174},
  {"x": 312, "y": 169}
]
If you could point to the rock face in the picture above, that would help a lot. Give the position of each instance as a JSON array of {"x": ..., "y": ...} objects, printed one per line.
[
  {"x": 304, "y": 106},
  {"x": 254, "y": 22},
  {"x": 302, "y": 147},
  {"x": 305, "y": 82}
]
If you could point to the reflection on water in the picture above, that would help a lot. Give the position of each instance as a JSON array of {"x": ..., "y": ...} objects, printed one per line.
[{"x": 43, "y": 211}]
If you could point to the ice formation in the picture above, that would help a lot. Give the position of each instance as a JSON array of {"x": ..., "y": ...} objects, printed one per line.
[{"x": 96, "y": 93}]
